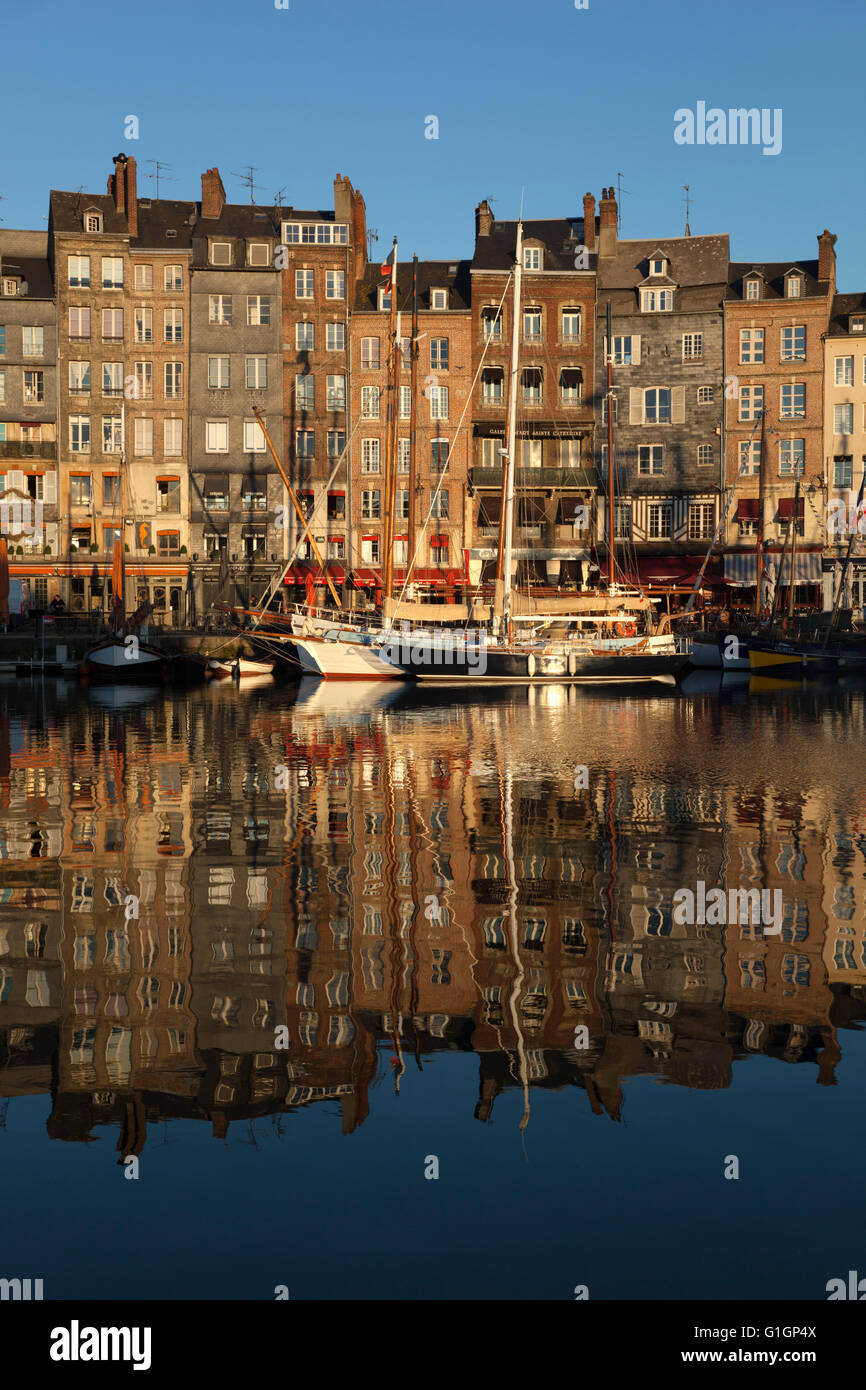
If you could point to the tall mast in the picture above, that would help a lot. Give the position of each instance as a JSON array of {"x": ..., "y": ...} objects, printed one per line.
[
  {"x": 843, "y": 577},
  {"x": 391, "y": 437},
  {"x": 506, "y": 522},
  {"x": 611, "y": 519},
  {"x": 413, "y": 420},
  {"x": 793, "y": 548},
  {"x": 759, "y": 549}
]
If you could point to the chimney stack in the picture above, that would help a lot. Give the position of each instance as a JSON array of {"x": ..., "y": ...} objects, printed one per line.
[
  {"x": 607, "y": 223},
  {"x": 358, "y": 232},
  {"x": 343, "y": 199},
  {"x": 589, "y": 221},
  {"x": 827, "y": 259},
  {"x": 132, "y": 196},
  {"x": 483, "y": 219},
  {"x": 213, "y": 195},
  {"x": 117, "y": 183}
]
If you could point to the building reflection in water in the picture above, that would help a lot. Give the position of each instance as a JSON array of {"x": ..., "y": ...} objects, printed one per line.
[{"x": 187, "y": 880}]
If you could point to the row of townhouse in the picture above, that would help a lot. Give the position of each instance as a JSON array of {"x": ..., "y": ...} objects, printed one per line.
[{"x": 140, "y": 337}]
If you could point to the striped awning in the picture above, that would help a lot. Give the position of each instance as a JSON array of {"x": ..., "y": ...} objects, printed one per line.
[{"x": 741, "y": 568}]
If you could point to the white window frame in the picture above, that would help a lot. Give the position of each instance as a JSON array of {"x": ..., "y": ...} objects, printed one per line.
[
  {"x": 257, "y": 368},
  {"x": 216, "y": 436},
  {"x": 371, "y": 456},
  {"x": 219, "y": 308},
  {"x": 254, "y": 438},
  {"x": 752, "y": 344},
  {"x": 335, "y": 284},
  {"x": 303, "y": 279}
]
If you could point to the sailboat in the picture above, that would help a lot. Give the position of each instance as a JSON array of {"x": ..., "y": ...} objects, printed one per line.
[
  {"x": 587, "y": 638},
  {"x": 122, "y": 656}
]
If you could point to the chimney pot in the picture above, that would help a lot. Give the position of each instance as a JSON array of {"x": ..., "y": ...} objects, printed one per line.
[
  {"x": 607, "y": 219},
  {"x": 118, "y": 183},
  {"x": 483, "y": 219}
]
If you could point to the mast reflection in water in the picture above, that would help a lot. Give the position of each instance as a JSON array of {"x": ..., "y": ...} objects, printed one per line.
[{"x": 287, "y": 946}]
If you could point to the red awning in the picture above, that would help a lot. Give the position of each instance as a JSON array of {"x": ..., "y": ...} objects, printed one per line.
[
  {"x": 786, "y": 508},
  {"x": 336, "y": 492},
  {"x": 748, "y": 509},
  {"x": 677, "y": 570},
  {"x": 298, "y": 574}
]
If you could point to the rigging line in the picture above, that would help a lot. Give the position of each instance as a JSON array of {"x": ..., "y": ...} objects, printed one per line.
[
  {"x": 434, "y": 498},
  {"x": 266, "y": 597}
]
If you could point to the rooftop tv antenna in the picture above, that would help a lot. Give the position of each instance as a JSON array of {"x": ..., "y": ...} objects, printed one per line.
[
  {"x": 372, "y": 235},
  {"x": 688, "y": 202},
  {"x": 248, "y": 179},
  {"x": 157, "y": 174},
  {"x": 619, "y": 192}
]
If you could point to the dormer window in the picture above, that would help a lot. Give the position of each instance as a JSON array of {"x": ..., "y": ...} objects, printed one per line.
[
  {"x": 532, "y": 258},
  {"x": 220, "y": 253},
  {"x": 10, "y": 286},
  {"x": 753, "y": 289},
  {"x": 857, "y": 325},
  {"x": 438, "y": 299},
  {"x": 93, "y": 221},
  {"x": 258, "y": 253},
  {"x": 384, "y": 298},
  {"x": 657, "y": 266},
  {"x": 794, "y": 287}
]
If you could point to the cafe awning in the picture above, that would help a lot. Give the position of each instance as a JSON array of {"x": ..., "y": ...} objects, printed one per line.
[
  {"x": 748, "y": 508},
  {"x": 741, "y": 568}
]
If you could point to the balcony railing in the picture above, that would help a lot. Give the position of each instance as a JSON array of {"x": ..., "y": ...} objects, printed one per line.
[{"x": 18, "y": 449}]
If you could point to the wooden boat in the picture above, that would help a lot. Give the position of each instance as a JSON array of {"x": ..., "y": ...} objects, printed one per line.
[
  {"x": 124, "y": 659},
  {"x": 239, "y": 668}
]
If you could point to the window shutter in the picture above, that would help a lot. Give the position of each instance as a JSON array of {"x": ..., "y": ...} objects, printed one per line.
[
  {"x": 49, "y": 489},
  {"x": 635, "y": 405},
  {"x": 678, "y": 405},
  {"x": 635, "y": 349},
  {"x": 15, "y": 479}
]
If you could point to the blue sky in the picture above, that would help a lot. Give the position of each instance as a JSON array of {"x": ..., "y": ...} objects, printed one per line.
[{"x": 536, "y": 95}]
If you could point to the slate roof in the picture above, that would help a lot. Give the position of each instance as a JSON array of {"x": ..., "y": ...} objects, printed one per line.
[
  {"x": 558, "y": 235},
  {"x": 36, "y": 272},
  {"x": 157, "y": 217},
  {"x": 692, "y": 261},
  {"x": 843, "y": 306},
  {"x": 68, "y": 209},
  {"x": 773, "y": 273},
  {"x": 431, "y": 275}
]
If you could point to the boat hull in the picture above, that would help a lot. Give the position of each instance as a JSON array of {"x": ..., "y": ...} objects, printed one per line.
[
  {"x": 627, "y": 669},
  {"x": 244, "y": 668},
  {"x": 346, "y": 661},
  {"x": 113, "y": 661}
]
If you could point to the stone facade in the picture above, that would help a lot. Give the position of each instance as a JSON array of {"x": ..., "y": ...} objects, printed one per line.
[
  {"x": 668, "y": 363},
  {"x": 28, "y": 412}
]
